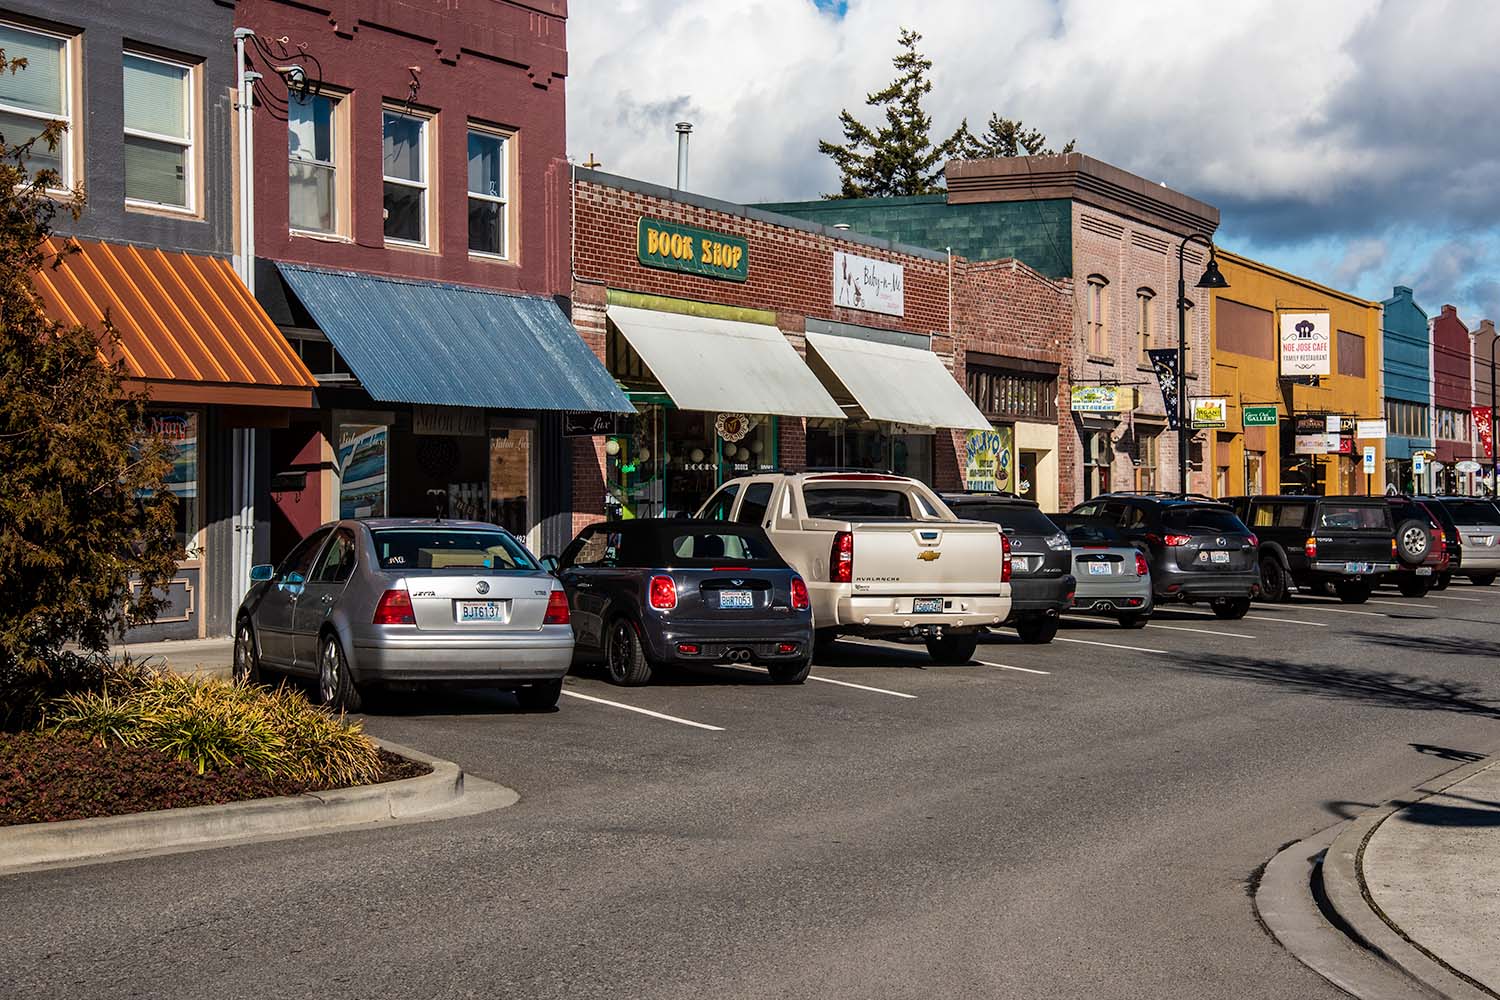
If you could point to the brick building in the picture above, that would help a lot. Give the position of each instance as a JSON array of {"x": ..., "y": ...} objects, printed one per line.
[{"x": 1452, "y": 400}]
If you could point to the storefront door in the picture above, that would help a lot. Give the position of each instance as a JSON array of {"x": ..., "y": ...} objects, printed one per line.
[{"x": 511, "y": 469}]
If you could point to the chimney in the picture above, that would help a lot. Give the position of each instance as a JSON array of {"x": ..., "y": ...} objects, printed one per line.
[{"x": 684, "y": 130}]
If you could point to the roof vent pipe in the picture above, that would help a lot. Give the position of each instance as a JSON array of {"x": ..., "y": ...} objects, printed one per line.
[{"x": 684, "y": 129}]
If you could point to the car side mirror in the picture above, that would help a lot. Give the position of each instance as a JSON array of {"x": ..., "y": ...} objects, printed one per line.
[
  {"x": 549, "y": 563},
  {"x": 263, "y": 573}
]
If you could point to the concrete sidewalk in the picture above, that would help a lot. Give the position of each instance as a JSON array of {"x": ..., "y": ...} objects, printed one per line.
[
  {"x": 1432, "y": 872},
  {"x": 199, "y": 657}
]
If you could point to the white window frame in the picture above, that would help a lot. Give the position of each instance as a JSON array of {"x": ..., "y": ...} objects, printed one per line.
[
  {"x": 189, "y": 145},
  {"x": 505, "y": 139},
  {"x": 425, "y": 186},
  {"x": 335, "y": 130},
  {"x": 65, "y": 147}
]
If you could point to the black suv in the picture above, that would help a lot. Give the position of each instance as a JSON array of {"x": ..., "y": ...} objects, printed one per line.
[
  {"x": 1311, "y": 541},
  {"x": 1198, "y": 549},
  {"x": 1041, "y": 559}
]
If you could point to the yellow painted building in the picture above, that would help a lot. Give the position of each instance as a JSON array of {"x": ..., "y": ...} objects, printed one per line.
[{"x": 1248, "y": 321}]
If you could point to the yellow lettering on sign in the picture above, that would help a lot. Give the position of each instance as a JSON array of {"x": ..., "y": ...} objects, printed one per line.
[
  {"x": 734, "y": 264},
  {"x": 653, "y": 240}
]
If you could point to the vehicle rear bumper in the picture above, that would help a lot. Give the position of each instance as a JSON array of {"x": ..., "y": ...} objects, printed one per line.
[
  {"x": 1480, "y": 560},
  {"x": 1206, "y": 586},
  {"x": 540, "y": 656},
  {"x": 716, "y": 641},
  {"x": 959, "y": 611},
  {"x": 1332, "y": 570},
  {"x": 1040, "y": 594}
]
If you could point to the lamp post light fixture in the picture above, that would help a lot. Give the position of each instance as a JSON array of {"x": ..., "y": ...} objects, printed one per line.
[{"x": 1211, "y": 279}]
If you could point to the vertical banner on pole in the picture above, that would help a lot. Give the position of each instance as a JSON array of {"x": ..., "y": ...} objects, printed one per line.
[{"x": 1164, "y": 364}]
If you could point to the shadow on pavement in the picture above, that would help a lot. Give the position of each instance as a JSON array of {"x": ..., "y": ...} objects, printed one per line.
[
  {"x": 1447, "y": 753},
  {"x": 1430, "y": 813},
  {"x": 1445, "y": 645}
]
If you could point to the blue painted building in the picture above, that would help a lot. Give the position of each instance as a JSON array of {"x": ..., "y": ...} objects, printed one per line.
[{"x": 1408, "y": 385}]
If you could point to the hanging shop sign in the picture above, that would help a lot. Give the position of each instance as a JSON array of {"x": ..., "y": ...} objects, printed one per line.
[
  {"x": 989, "y": 460},
  {"x": 462, "y": 421},
  {"x": 1306, "y": 344},
  {"x": 1467, "y": 465},
  {"x": 1097, "y": 398},
  {"x": 1311, "y": 435},
  {"x": 868, "y": 284},
  {"x": 1209, "y": 413},
  {"x": 1484, "y": 428},
  {"x": 590, "y": 424},
  {"x": 1259, "y": 416},
  {"x": 673, "y": 247},
  {"x": 733, "y": 426},
  {"x": 1370, "y": 430},
  {"x": 1164, "y": 364}
]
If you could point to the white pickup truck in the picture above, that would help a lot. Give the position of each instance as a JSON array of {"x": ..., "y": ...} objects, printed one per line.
[{"x": 882, "y": 555}]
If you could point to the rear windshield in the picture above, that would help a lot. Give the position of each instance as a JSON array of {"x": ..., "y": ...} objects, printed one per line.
[
  {"x": 715, "y": 546},
  {"x": 1473, "y": 511},
  {"x": 409, "y": 549},
  {"x": 1092, "y": 531},
  {"x": 1201, "y": 519},
  {"x": 856, "y": 503},
  {"x": 1353, "y": 517},
  {"x": 1025, "y": 520}
]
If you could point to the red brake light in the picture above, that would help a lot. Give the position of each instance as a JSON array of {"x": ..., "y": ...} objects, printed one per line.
[
  {"x": 1393, "y": 548},
  {"x": 800, "y": 601},
  {"x": 663, "y": 593},
  {"x": 1004, "y": 558},
  {"x": 557, "y": 609},
  {"x": 1141, "y": 569},
  {"x": 395, "y": 609},
  {"x": 1310, "y": 547},
  {"x": 841, "y": 559},
  {"x": 1254, "y": 541},
  {"x": 1177, "y": 539}
]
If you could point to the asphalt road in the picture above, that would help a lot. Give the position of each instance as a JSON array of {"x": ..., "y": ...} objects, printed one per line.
[{"x": 1083, "y": 827}]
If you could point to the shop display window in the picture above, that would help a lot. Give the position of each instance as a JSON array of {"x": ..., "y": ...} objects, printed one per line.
[
  {"x": 179, "y": 432},
  {"x": 666, "y": 462}
]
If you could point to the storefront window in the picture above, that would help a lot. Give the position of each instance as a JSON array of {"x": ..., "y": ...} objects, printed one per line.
[
  {"x": 1096, "y": 459},
  {"x": 666, "y": 462},
  {"x": 179, "y": 432},
  {"x": 510, "y": 480},
  {"x": 1145, "y": 461},
  {"x": 362, "y": 453},
  {"x": 1255, "y": 474}
]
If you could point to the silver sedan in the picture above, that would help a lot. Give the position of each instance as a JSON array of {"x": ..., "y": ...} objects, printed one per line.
[{"x": 405, "y": 601}]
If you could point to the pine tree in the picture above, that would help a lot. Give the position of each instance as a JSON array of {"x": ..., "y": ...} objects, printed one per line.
[
  {"x": 1007, "y": 137},
  {"x": 900, "y": 157}
]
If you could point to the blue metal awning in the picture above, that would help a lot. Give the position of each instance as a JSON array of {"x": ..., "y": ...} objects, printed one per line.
[{"x": 411, "y": 341}]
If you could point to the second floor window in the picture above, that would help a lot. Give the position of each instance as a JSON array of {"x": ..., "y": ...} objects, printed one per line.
[
  {"x": 33, "y": 97},
  {"x": 158, "y": 132},
  {"x": 1144, "y": 300},
  {"x": 312, "y": 181},
  {"x": 405, "y": 170},
  {"x": 1098, "y": 316},
  {"x": 488, "y": 217}
]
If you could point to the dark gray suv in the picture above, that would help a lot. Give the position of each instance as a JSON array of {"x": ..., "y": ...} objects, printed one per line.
[{"x": 1041, "y": 559}]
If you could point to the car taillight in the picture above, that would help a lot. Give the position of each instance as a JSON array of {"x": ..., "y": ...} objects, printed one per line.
[
  {"x": 800, "y": 600},
  {"x": 663, "y": 593},
  {"x": 1442, "y": 535},
  {"x": 1141, "y": 569},
  {"x": 1254, "y": 542},
  {"x": 1393, "y": 548},
  {"x": 557, "y": 609},
  {"x": 1177, "y": 539},
  {"x": 395, "y": 609},
  {"x": 841, "y": 559},
  {"x": 1310, "y": 548},
  {"x": 1004, "y": 558}
]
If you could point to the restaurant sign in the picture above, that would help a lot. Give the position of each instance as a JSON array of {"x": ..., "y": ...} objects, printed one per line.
[
  {"x": 1097, "y": 399},
  {"x": 672, "y": 247},
  {"x": 1306, "y": 344}
]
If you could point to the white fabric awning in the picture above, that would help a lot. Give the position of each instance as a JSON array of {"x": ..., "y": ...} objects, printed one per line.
[
  {"x": 721, "y": 365},
  {"x": 904, "y": 385}
]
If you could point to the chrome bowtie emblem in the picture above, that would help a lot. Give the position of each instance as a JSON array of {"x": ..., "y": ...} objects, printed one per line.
[{"x": 482, "y": 587}]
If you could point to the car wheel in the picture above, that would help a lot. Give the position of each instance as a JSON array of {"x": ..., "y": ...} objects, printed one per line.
[
  {"x": 1414, "y": 586},
  {"x": 540, "y": 696},
  {"x": 953, "y": 649},
  {"x": 1273, "y": 582},
  {"x": 246, "y": 660},
  {"x": 1441, "y": 581},
  {"x": 1413, "y": 539},
  {"x": 1482, "y": 579},
  {"x": 625, "y": 655},
  {"x": 1037, "y": 629},
  {"x": 336, "y": 688},
  {"x": 1352, "y": 591},
  {"x": 790, "y": 673},
  {"x": 1134, "y": 619},
  {"x": 1231, "y": 608}
]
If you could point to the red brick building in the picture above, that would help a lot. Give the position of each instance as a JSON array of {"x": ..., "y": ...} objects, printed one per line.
[{"x": 1452, "y": 398}]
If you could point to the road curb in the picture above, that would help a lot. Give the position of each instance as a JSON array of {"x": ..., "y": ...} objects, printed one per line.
[{"x": 109, "y": 838}]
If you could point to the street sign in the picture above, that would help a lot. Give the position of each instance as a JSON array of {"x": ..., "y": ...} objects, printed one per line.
[
  {"x": 1369, "y": 459},
  {"x": 1260, "y": 416},
  {"x": 1370, "y": 430},
  {"x": 1418, "y": 463}
]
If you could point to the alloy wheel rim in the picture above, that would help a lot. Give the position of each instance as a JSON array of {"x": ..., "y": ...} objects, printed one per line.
[
  {"x": 328, "y": 672},
  {"x": 1415, "y": 540},
  {"x": 242, "y": 654},
  {"x": 617, "y": 645}
]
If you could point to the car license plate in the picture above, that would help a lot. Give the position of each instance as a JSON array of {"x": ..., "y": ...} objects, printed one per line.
[
  {"x": 480, "y": 611},
  {"x": 1359, "y": 567},
  {"x": 1099, "y": 569},
  {"x": 736, "y": 599},
  {"x": 927, "y": 605},
  {"x": 1424, "y": 570},
  {"x": 1219, "y": 557}
]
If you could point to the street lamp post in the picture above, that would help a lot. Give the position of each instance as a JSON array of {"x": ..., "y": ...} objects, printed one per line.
[{"x": 1211, "y": 279}]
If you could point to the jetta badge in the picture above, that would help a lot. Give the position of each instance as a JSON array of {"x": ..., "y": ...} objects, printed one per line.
[
  {"x": 482, "y": 587},
  {"x": 928, "y": 555}
]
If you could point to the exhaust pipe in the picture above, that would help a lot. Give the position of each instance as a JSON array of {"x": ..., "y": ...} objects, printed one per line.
[{"x": 739, "y": 656}]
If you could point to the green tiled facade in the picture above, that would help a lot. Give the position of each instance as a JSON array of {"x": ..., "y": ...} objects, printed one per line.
[{"x": 1038, "y": 233}]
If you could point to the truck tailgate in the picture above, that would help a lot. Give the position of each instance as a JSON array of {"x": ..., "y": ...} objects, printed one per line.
[{"x": 929, "y": 557}]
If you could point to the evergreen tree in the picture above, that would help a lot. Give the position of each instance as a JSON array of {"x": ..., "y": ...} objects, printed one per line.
[
  {"x": 899, "y": 158},
  {"x": 1007, "y": 137}
]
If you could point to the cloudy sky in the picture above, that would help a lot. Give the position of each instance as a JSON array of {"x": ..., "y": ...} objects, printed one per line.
[{"x": 1353, "y": 141}]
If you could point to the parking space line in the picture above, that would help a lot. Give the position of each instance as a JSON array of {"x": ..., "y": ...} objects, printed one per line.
[
  {"x": 1314, "y": 606},
  {"x": 1201, "y": 631},
  {"x": 1289, "y": 621},
  {"x": 860, "y": 687},
  {"x": 1450, "y": 597},
  {"x": 1397, "y": 604},
  {"x": 1111, "y": 645},
  {"x": 1006, "y": 666},
  {"x": 643, "y": 711}
]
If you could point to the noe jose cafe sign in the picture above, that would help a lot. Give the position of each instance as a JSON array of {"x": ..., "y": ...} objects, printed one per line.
[{"x": 673, "y": 247}]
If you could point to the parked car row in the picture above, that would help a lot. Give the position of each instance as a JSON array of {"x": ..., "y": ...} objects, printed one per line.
[{"x": 774, "y": 568}]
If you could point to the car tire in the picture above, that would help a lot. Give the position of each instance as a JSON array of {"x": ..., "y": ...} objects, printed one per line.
[
  {"x": 953, "y": 650},
  {"x": 336, "y": 688},
  {"x": 790, "y": 673},
  {"x": 1441, "y": 581},
  {"x": 246, "y": 659},
  {"x": 1482, "y": 579},
  {"x": 1134, "y": 619},
  {"x": 1036, "y": 629},
  {"x": 1352, "y": 591},
  {"x": 1273, "y": 580},
  {"x": 625, "y": 659},
  {"x": 539, "y": 697},
  {"x": 1413, "y": 541},
  {"x": 1231, "y": 608},
  {"x": 1414, "y": 586}
]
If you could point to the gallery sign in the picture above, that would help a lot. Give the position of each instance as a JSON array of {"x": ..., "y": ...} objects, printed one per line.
[
  {"x": 1259, "y": 416},
  {"x": 703, "y": 252},
  {"x": 1306, "y": 341},
  {"x": 868, "y": 284}
]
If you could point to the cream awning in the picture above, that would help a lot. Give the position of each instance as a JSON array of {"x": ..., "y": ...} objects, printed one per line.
[
  {"x": 721, "y": 365},
  {"x": 903, "y": 385}
]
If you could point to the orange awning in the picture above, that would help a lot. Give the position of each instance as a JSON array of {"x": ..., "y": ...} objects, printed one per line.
[{"x": 189, "y": 330}]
